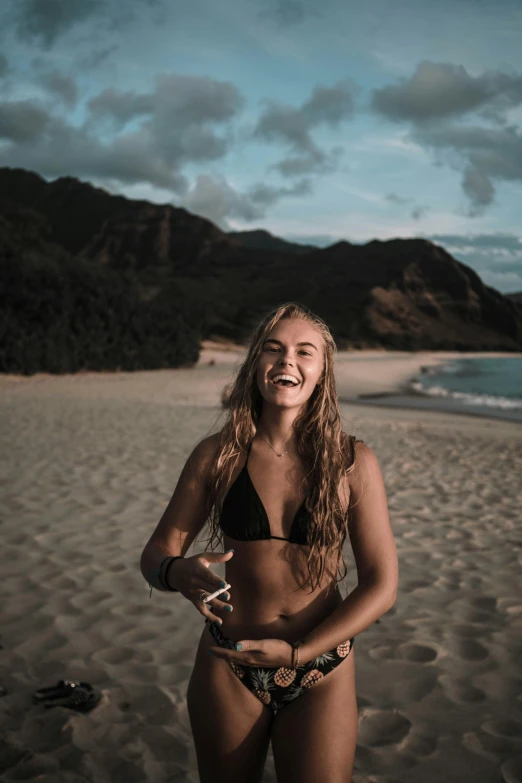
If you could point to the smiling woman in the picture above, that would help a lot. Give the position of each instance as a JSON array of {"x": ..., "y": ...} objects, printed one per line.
[{"x": 282, "y": 487}]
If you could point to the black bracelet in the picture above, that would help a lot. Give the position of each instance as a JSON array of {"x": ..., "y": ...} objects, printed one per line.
[
  {"x": 160, "y": 580},
  {"x": 165, "y": 582}
]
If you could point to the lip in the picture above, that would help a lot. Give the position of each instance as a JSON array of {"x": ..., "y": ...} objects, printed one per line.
[{"x": 284, "y": 388}]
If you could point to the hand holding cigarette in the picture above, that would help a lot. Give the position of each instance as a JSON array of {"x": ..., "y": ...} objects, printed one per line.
[
  {"x": 194, "y": 578},
  {"x": 215, "y": 595}
]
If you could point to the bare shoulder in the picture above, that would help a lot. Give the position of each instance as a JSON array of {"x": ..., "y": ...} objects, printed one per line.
[
  {"x": 349, "y": 477},
  {"x": 365, "y": 469},
  {"x": 204, "y": 453}
]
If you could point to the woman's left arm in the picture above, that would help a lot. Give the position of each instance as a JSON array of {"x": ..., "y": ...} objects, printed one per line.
[{"x": 375, "y": 555}]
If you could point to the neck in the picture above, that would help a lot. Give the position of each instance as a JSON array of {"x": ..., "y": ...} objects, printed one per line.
[{"x": 277, "y": 427}]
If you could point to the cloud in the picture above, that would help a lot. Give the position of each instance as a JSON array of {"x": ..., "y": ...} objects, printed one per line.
[
  {"x": 478, "y": 187},
  {"x": 61, "y": 85},
  {"x": 441, "y": 90},
  {"x": 288, "y": 13},
  {"x": 313, "y": 162},
  {"x": 48, "y": 20},
  {"x": 418, "y": 212},
  {"x": 282, "y": 123},
  {"x": 92, "y": 60},
  {"x": 215, "y": 199},
  {"x": 35, "y": 139},
  {"x": 436, "y": 98},
  {"x": 22, "y": 121},
  {"x": 119, "y": 107},
  {"x": 187, "y": 99},
  {"x": 177, "y": 114},
  {"x": 487, "y": 154},
  {"x": 395, "y": 199},
  {"x": 4, "y": 66},
  {"x": 267, "y": 195},
  {"x": 495, "y": 243}
]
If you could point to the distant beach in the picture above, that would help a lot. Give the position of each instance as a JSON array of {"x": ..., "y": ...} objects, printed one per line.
[{"x": 476, "y": 384}]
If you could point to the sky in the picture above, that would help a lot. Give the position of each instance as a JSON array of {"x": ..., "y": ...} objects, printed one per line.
[{"x": 316, "y": 121}]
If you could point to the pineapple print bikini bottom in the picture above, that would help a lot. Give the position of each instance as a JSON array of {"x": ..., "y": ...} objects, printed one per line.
[{"x": 274, "y": 686}]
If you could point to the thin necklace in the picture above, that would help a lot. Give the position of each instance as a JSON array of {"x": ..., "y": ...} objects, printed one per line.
[{"x": 278, "y": 454}]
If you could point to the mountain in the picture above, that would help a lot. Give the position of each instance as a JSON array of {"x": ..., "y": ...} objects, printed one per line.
[
  {"x": 92, "y": 280},
  {"x": 263, "y": 240}
]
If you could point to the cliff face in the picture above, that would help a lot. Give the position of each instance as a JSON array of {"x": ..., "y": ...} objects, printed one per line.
[{"x": 402, "y": 293}]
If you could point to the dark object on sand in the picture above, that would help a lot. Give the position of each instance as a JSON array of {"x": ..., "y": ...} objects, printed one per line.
[{"x": 79, "y": 696}]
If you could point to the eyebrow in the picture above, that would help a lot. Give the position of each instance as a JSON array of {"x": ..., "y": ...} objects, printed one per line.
[{"x": 272, "y": 340}]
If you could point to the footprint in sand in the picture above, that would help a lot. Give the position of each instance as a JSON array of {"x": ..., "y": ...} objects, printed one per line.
[
  {"x": 512, "y": 770},
  {"x": 415, "y": 584},
  {"x": 382, "y": 727},
  {"x": 512, "y": 729},
  {"x": 90, "y": 599},
  {"x": 486, "y": 745},
  {"x": 416, "y": 687},
  {"x": 468, "y": 649},
  {"x": 462, "y": 630},
  {"x": 417, "y": 653},
  {"x": 420, "y": 745},
  {"x": 383, "y": 652},
  {"x": 114, "y": 656},
  {"x": 72, "y": 623},
  {"x": 487, "y": 603},
  {"x": 460, "y": 691},
  {"x": 62, "y": 582}
]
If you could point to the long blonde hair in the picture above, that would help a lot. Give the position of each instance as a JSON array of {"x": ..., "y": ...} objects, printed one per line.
[{"x": 326, "y": 451}]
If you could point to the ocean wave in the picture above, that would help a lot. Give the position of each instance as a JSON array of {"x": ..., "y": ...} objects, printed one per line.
[{"x": 467, "y": 398}]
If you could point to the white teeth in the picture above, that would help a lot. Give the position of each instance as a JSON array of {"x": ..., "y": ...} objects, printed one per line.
[{"x": 282, "y": 377}]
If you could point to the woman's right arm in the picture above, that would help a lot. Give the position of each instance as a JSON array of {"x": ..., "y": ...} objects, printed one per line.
[{"x": 179, "y": 525}]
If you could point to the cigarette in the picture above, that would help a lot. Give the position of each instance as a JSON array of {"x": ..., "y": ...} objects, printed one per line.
[{"x": 215, "y": 595}]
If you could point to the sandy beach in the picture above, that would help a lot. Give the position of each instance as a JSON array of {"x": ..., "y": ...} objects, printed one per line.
[{"x": 88, "y": 464}]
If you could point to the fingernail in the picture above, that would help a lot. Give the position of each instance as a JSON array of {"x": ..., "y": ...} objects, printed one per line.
[
  {"x": 229, "y": 550},
  {"x": 223, "y": 584},
  {"x": 228, "y": 608},
  {"x": 239, "y": 646},
  {"x": 225, "y": 596},
  {"x": 210, "y": 652}
]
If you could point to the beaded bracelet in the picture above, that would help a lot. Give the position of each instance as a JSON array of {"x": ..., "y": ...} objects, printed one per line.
[{"x": 158, "y": 572}]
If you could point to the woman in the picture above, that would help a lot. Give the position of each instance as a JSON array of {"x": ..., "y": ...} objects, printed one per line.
[{"x": 282, "y": 486}]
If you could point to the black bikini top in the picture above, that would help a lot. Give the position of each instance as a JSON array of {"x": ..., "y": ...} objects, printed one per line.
[{"x": 244, "y": 518}]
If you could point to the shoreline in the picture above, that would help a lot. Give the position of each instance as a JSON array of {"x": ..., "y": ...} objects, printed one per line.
[{"x": 375, "y": 379}]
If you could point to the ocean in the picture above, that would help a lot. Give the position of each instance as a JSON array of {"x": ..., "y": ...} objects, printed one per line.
[{"x": 482, "y": 386}]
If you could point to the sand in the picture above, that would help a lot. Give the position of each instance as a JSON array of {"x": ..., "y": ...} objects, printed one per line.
[{"x": 88, "y": 464}]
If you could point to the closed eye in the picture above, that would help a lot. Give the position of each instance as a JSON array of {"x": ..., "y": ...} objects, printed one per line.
[{"x": 301, "y": 351}]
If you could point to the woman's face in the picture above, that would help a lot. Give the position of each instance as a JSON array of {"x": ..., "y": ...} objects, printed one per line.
[{"x": 293, "y": 348}]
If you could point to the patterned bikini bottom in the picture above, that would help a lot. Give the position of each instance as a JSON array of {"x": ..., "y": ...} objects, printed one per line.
[{"x": 274, "y": 686}]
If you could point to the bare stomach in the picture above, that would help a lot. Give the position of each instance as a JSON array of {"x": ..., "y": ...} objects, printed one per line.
[{"x": 265, "y": 594}]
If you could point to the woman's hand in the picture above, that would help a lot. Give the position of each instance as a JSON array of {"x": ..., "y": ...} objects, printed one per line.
[
  {"x": 193, "y": 576},
  {"x": 258, "y": 652}
]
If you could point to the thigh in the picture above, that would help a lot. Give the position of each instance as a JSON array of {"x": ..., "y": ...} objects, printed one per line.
[
  {"x": 230, "y": 726},
  {"x": 315, "y": 735}
]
